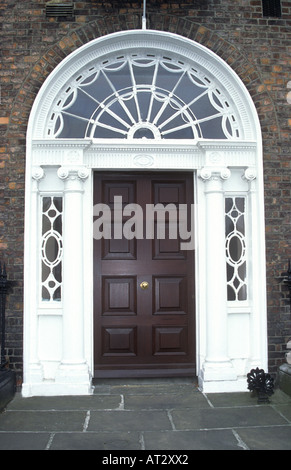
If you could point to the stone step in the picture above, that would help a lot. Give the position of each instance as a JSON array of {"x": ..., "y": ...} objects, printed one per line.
[
  {"x": 284, "y": 378},
  {"x": 7, "y": 387}
]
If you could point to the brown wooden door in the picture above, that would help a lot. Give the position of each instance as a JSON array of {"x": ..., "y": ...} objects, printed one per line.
[{"x": 143, "y": 332}]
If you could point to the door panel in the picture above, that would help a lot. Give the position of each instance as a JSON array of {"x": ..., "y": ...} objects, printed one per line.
[
  {"x": 170, "y": 295},
  {"x": 148, "y": 330},
  {"x": 170, "y": 341},
  {"x": 119, "y": 296},
  {"x": 119, "y": 342}
]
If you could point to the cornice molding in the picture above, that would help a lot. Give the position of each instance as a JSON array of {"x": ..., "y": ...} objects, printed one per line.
[{"x": 139, "y": 154}]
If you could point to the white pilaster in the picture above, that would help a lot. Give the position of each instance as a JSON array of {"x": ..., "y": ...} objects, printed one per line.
[
  {"x": 258, "y": 328},
  {"x": 217, "y": 367},
  {"x": 32, "y": 369},
  {"x": 73, "y": 374}
]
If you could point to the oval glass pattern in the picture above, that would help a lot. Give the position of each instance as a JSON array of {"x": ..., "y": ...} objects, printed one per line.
[
  {"x": 235, "y": 248},
  {"x": 52, "y": 249}
]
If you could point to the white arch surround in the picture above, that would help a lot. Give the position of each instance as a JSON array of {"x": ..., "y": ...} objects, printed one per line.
[
  {"x": 231, "y": 336},
  {"x": 134, "y": 41}
]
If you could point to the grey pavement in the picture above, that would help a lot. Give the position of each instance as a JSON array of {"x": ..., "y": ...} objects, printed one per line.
[{"x": 147, "y": 416}]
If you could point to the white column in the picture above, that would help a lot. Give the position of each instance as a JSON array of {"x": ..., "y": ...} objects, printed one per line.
[
  {"x": 73, "y": 372},
  {"x": 217, "y": 366}
]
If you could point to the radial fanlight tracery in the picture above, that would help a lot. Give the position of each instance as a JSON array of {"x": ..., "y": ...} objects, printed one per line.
[{"x": 142, "y": 96}]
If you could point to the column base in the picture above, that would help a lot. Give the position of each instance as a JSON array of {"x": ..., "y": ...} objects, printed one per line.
[
  {"x": 70, "y": 379},
  {"x": 223, "y": 386},
  {"x": 216, "y": 377}
]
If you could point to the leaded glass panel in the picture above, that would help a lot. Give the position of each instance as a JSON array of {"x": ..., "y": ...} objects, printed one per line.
[
  {"x": 235, "y": 246},
  {"x": 51, "y": 248}
]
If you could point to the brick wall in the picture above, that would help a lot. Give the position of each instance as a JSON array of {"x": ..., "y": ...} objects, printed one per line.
[{"x": 256, "y": 47}]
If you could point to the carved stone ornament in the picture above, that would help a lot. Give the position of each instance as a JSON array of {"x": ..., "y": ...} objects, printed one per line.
[
  {"x": 143, "y": 160},
  {"x": 83, "y": 173},
  {"x": 225, "y": 173},
  {"x": 215, "y": 158},
  {"x": 37, "y": 173},
  {"x": 250, "y": 174},
  {"x": 73, "y": 173},
  {"x": 73, "y": 156},
  {"x": 205, "y": 174},
  {"x": 215, "y": 173},
  {"x": 63, "y": 173}
]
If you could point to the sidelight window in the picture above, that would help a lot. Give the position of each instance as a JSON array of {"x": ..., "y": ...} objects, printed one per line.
[
  {"x": 235, "y": 247},
  {"x": 51, "y": 248}
]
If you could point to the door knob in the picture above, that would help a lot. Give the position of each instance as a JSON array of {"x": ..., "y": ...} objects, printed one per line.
[{"x": 144, "y": 285}]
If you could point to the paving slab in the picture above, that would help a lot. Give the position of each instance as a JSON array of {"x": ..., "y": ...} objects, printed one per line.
[
  {"x": 165, "y": 401},
  {"x": 95, "y": 441},
  {"x": 245, "y": 399},
  {"x": 91, "y": 402},
  {"x": 141, "y": 416},
  {"x": 266, "y": 438},
  {"x": 222, "y": 418},
  {"x": 129, "y": 421},
  {"x": 23, "y": 440},
  {"x": 41, "y": 421},
  {"x": 149, "y": 389},
  {"x": 191, "y": 440},
  {"x": 284, "y": 410}
]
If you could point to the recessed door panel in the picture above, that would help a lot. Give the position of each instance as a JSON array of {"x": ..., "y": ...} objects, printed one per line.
[
  {"x": 118, "y": 341},
  {"x": 170, "y": 295},
  {"x": 170, "y": 341},
  {"x": 119, "y": 296},
  {"x": 144, "y": 286}
]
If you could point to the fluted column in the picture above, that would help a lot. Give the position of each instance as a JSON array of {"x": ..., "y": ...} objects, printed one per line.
[
  {"x": 73, "y": 367},
  {"x": 217, "y": 366}
]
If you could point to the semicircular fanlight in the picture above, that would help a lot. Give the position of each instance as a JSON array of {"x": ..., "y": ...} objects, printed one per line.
[{"x": 142, "y": 96}]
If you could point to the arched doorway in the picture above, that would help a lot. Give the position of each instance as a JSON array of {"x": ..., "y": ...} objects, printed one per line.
[{"x": 132, "y": 102}]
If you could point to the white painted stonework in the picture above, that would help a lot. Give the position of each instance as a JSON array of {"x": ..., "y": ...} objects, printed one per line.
[{"x": 231, "y": 335}]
